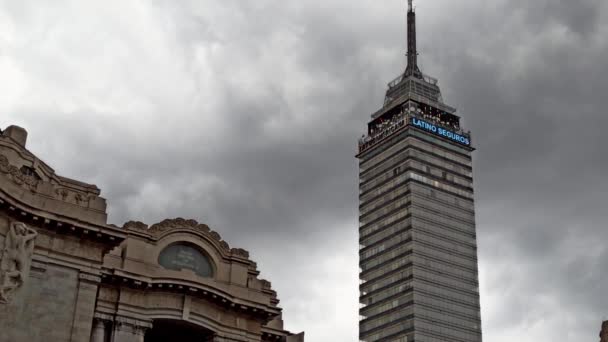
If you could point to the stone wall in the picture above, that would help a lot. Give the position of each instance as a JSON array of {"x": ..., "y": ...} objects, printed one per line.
[{"x": 55, "y": 302}]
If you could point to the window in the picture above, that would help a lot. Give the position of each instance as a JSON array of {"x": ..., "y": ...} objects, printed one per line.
[
  {"x": 186, "y": 256},
  {"x": 28, "y": 171}
]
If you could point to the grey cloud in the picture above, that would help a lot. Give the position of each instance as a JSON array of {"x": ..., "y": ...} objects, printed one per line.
[{"x": 245, "y": 116}]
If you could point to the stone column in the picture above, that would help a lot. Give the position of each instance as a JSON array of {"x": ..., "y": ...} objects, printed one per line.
[
  {"x": 99, "y": 331},
  {"x": 86, "y": 297},
  {"x": 129, "y": 330}
]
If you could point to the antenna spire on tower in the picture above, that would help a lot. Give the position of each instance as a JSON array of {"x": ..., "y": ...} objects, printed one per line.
[{"x": 412, "y": 54}]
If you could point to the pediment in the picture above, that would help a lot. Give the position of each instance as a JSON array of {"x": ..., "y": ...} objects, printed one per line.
[{"x": 168, "y": 226}]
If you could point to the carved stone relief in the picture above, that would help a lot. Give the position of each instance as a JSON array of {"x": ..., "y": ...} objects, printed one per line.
[
  {"x": 28, "y": 181},
  {"x": 31, "y": 181},
  {"x": 15, "y": 259},
  {"x": 135, "y": 225},
  {"x": 169, "y": 224}
]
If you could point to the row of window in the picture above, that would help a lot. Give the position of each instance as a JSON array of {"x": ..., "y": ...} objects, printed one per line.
[
  {"x": 448, "y": 176},
  {"x": 385, "y": 245},
  {"x": 441, "y": 207},
  {"x": 389, "y": 267},
  {"x": 434, "y": 338},
  {"x": 380, "y": 201},
  {"x": 377, "y": 284},
  {"x": 445, "y": 266},
  {"x": 390, "y": 305},
  {"x": 442, "y": 186},
  {"x": 432, "y": 160},
  {"x": 369, "y": 240},
  {"x": 387, "y": 174},
  {"x": 380, "y": 154},
  {"x": 447, "y": 293},
  {"x": 387, "y": 293},
  {"x": 414, "y": 164},
  {"x": 441, "y": 147},
  {"x": 424, "y": 204},
  {"x": 447, "y": 320},
  {"x": 452, "y": 334},
  {"x": 441, "y": 255},
  {"x": 429, "y": 338},
  {"x": 389, "y": 331},
  {"x": 447, "y": 218},
  {"x": 383, "y": 154},
  {"x": 446, "y": 243},
  {"x": 440, "y": 280},
  {"x": 386, "y": 319},
  {"x": 442, "y": 197},
  {"x": 451, "y": 234},
  {"x": 399, "y": 251},
  {"x": 398, "y": 215},
  {"x": 400, "y": 203},
  {"x": 384, "y": 188},
  {"x": 447, "y": 307},
  {"x": 437, "y": 215}
]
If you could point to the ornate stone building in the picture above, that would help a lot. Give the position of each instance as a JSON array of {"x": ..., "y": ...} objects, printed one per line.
[{"x": 67, "y": 275}]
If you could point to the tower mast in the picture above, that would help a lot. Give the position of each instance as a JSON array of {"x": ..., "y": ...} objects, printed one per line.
[{"x": 412, "y": 55}]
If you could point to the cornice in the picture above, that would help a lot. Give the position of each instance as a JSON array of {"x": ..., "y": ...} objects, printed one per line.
[
  {"x": 264, "y": 312},
  {"x": 60, "y": 224}
]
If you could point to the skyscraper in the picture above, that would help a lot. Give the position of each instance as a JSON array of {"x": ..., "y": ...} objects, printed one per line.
[{"x": 418, "y": 249}]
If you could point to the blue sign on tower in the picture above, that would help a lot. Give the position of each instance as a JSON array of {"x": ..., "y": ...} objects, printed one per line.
[{"x": 441, "y": 131}]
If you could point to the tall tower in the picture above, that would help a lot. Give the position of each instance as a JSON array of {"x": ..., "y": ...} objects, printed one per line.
[{"x": 418, "y": 247}]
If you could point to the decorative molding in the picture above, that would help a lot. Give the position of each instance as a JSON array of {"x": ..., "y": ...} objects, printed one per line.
[
  {"x": 27, "y": 181},
  {"x": 131, "y": 325},
  {"x": 170, "y": 224},
  {"x": 135, "y": 225},
  {"x": 120, "y": 320},
  {"x": 16, "y": 259},
  {"x": 266, "y": 285},
  {"x": 180, "y": 223},
  {"x": 71, "y": 196},
  {"x": 103, "y": 317},
  {"x": 31, "y": 183},
  {"x": 240, "y": 252},
  {"x": 89, "y": 277}
]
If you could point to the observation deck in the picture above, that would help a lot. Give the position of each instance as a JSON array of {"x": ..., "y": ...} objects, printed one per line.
[{"x": 387, "y": 128}]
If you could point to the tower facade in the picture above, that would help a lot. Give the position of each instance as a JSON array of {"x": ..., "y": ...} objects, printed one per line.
[{"x": 418, "y": 249}]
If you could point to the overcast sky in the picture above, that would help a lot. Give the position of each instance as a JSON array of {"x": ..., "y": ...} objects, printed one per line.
[{"x": 245, "y": 115}]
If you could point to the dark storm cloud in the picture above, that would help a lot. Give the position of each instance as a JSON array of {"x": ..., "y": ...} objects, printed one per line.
[{"x": 245, "y": 116}]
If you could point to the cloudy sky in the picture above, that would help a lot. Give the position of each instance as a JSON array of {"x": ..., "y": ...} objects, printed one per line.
[{"x": 245, "y": 115}]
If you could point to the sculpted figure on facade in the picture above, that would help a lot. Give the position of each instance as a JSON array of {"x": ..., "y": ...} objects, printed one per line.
[{"x": 15, "y": 260}]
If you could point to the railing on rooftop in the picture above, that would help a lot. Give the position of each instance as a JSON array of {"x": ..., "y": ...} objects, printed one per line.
[
  {"x": 399, "y": 121},
  {"x": 398, "y": 79}
]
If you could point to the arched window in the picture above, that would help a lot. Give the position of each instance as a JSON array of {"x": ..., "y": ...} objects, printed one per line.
[{"x": 183, "y": 255}]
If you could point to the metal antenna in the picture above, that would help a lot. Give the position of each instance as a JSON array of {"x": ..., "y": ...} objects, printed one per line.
[{"x": 412, "y": 55}]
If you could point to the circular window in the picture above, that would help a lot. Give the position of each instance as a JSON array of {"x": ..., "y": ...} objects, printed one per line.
[{"x": 186, "y": 256}]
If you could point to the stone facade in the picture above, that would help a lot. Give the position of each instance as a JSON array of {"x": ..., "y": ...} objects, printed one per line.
[
  {"x": 604, "y": 332},
  {"x": 67, "y": 275}
]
